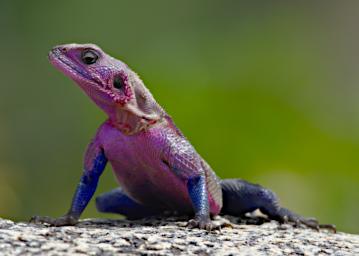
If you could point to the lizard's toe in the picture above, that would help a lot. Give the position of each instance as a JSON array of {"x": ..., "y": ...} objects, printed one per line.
[
  {"x": 193, "y": 223},
  {"x": 66, "y": 220},
  {"x": 330, "y": 227},
  {"x": 202, "y": 223},
  {"x": 311, "y": 223},
  {"x": 40, "y": 219},
  {"x": 314, "y": 224}
]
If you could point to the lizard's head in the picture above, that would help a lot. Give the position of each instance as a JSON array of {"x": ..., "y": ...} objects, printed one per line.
[{"x": 110, "y": 83}]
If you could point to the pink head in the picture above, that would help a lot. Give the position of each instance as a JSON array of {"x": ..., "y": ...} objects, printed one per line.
[{"x": 110, "y": 83}]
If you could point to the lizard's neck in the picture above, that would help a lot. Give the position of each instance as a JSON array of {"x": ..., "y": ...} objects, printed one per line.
[{"x": 131, "y": 123}]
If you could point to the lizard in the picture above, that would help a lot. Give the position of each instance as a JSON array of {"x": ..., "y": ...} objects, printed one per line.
[{"x": 157, "y": 168}]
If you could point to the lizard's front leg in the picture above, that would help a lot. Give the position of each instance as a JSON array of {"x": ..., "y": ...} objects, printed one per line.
[
  {"x": 198, "y": 193},
  {"x": 95, "y": 162},
  {"x": 185, "y": 163}
]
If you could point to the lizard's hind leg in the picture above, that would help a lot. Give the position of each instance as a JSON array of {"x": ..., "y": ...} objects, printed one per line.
[
  {"x": 116, "y": 201},
  {"x": 240, "y": 197}
]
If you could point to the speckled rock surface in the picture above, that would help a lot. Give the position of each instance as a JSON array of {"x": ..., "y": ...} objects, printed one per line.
[{"x": 169, "y": 237}]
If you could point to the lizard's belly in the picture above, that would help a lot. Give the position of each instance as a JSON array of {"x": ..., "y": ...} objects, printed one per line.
[
  {"x": 153, "y": 186},
  {"x": 137, "y": 165}
]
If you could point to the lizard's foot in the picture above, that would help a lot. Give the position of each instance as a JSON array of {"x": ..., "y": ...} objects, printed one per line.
[
  {"x": 66, "y": 220},
  {"x": 202, "y": 223},
  {"x": 312, "y": 223}
]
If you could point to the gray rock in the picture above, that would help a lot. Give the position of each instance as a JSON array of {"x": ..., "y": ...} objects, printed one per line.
[{"x": 169, "y": 236}]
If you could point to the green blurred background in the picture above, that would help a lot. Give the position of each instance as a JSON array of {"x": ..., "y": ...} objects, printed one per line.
[{"x": 266, "y": 91}]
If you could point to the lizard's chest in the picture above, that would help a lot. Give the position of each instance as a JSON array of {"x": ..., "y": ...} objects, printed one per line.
[{"x": 139, "y": 169}]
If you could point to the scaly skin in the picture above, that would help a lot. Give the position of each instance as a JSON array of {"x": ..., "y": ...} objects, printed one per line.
[{"x": 156, "y": 167}]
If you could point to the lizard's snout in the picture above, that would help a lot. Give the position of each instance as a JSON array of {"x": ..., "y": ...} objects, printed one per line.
[{"x": 62, "y": 48}]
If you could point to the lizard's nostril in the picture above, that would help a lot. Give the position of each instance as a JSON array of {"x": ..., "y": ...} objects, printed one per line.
[{"x": 60, "y": 48}]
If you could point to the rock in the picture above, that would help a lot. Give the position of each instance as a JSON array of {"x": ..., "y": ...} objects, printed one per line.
[{"x": 156, "y": 236}]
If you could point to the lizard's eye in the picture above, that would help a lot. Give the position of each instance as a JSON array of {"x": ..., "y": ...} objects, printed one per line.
[
  {"x": 118, "y": 82},
  {"x": 89, "y": 57}
]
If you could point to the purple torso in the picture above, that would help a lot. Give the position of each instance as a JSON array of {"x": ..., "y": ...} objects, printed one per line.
[{"x": 137, "y": 161}]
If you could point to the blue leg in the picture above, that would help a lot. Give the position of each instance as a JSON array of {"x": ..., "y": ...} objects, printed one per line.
[
  {"x": 198, "y": 193},
  {"x": 87, "y": 186},
  {"x": 95, "y": 164},
  {"x": 116, "y": 201},
  {"x": 240, "y": 197}
]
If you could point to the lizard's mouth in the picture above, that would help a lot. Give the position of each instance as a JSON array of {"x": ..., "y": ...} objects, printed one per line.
[{"x": 65, "y": 64}]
